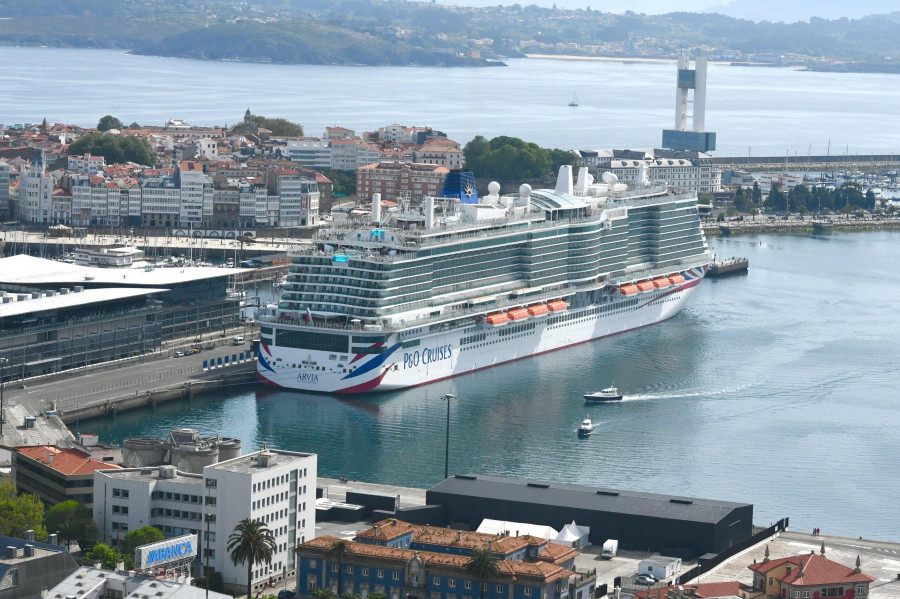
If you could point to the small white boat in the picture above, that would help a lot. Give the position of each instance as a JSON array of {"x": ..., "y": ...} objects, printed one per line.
[
  {"x": 574, "y": 101},
  {"x": 608, "y": 394},
  {"x": 586, "y": 428}
]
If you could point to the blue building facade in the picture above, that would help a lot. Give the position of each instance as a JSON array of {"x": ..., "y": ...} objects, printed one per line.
[{"x": 405, "y": 561}]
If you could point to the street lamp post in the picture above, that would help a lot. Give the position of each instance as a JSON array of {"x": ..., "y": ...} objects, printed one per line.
[
  {"x": 3, "y": 362},
  {"x": 447, "y": 397}
]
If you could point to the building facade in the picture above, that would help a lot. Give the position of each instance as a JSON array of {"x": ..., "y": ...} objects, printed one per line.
[
  {"x": 406, "y": 561},
  {"x": 806, "y": 576},
  {"x": 398, "y": 180},
  {"x": 57, "y": 475},
  {"x": 271, "y": 486}
]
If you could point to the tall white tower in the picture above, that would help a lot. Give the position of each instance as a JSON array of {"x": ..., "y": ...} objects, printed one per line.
[{"x": 690, "y": 88}]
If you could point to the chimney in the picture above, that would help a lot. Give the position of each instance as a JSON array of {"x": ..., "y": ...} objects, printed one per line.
[
  {"x": 858, "y": 569},
  {"x": 564, "y": 181},
  {"x": 429, "y": 213},
  {"x": 52, "y": 539},
  {"x": 428, "y": 528},
  {"x": 29, "y": 535},
  {"x": 458, "y": 536},
  {"x": 376, "y": 208}
]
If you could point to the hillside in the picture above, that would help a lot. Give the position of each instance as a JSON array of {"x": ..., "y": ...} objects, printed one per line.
[{"x": 297, "y": 42}]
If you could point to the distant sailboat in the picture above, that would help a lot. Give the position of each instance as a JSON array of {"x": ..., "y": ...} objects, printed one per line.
[{"x": 574, "y": 101}]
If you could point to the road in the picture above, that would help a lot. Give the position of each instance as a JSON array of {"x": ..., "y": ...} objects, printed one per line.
[{"x": 147, "y": 373}]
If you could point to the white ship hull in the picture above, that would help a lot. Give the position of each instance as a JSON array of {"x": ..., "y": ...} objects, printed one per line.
[{"x": 452, "y": 353}]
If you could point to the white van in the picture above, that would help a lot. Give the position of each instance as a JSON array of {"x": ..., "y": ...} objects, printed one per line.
[{"x": 237, "y": 341}]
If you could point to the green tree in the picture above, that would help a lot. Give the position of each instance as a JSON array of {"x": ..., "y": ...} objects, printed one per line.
[
  {"x": 776, "y": 201},
  {"x": 115, "y": 149},
  {"x": 109, "y": 122},
  {"x": 512, "y": 159},
  {"x": 323, "y": 593},
  {"x": 251, "y": 542},
  {"x": 73, "y": 522},
  {"x": 105, "y": 555},
  {"x": 482, "y": 566},
  {"x": 756, "y": 194},
  {"x": 278, "y": 126},
  {"x": 19, "y": 513},
  {"x": 136, "y": 538},
  {"x": 339, "y": 551}
]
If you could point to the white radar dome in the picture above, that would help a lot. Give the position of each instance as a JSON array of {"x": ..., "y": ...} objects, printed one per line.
[
  {"x": 525, "y": 189},
  {"x": 493, "y": 188},
  {"x": 609, "y": 178}
]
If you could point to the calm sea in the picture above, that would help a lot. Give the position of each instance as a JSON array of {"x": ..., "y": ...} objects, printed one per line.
[
  {"x": 777, "y": 387},
  {"x": 760, "y": 111}
]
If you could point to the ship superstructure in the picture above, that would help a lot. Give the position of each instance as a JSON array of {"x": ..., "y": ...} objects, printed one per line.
[{"x": 458, "y": 284}]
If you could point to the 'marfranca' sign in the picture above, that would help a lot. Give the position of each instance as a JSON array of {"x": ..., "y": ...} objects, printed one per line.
[{"x": 171, "y": 550}]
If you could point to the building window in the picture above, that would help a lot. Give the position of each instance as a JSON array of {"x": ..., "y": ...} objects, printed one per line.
[
  {"x": 349, "y": 569},
  {"x": 528, "y": 591},
  {"x": 805, "y": 594},
  {"x": 364, "y": 571},
  {"x": 395, "y": 575},
  {"x": 860, "y": 590},
  {"x": 796, "y": 594},
  {"x": 451, "y": 583},
  {"x": 468, "y": 585},
  {"x": 380, "y": 573},
  {"x": 499, "y": 588},
  {"x": 334, "y": 567},
  {"x": 436, "y": 581},
  {"x": 771, "y": 580},
  {"x": 313, "y": 563}
]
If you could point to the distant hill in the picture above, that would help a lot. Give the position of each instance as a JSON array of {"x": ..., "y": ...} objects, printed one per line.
[
  {"x": 298, "y": 42},
  {"x": 778, "y": 11}
]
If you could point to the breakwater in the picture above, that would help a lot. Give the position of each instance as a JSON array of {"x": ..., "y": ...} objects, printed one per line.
[{"x": 796, "y": 225}]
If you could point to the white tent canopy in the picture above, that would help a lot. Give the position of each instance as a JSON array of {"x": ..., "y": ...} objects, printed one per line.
[
  {"x": 516, "y": 529},
  {"x": 573, "y": 535}
]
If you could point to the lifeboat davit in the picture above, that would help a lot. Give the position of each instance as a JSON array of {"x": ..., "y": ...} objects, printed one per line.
[
  {"x": 645, "y": 286},
  {"x": 517, "y": 314},
  {"x": 628, "y": 289},
  {"x": 495, "y": 320},
  {"x": 538, "y": 310},
  {"x": 676, "y": 279},
  {"x": 557, "y": 306},
  {"x": 660, "y": 283}
]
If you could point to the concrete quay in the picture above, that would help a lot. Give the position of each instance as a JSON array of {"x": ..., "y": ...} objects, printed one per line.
[
  {"x": 761, "y": 224},
  {"x": 880, "y": 559},
  {"x": 110, "y": 387}
]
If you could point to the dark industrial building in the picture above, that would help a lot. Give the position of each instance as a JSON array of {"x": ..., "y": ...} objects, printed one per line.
[{"x": 678, "y": 526}]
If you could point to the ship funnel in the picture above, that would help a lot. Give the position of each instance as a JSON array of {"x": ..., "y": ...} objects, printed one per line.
[
  {"x": 564, "y": 181},
  {"x": 376, "y": 208},
  {"x": 429, "y": 213},
  {"x": 584, "y": 180}
]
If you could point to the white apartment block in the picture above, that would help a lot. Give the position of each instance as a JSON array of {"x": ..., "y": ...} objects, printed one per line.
[
  {"x": 86, "y": 164},
  {"x": 690, "y": 171},
  {"x": 35, "y": 193},
  {"x": 298, "y": 197},
  {"x": 313, "y": 153},
  {"x": 275, "y": 487}
]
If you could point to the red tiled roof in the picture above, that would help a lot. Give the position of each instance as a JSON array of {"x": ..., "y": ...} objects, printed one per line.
[
  {"x": 387, "y": 530},
  {"x": 819, "y": 570},
  {"x": 66, "y": 461},
  {"x": 190, "y": 165},
  {"x": 543, "y": 571},
  {"x": 706, "y": 589}
]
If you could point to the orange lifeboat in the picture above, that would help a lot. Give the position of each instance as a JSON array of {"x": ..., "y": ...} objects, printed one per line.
[
  {"x": 660, "y": 283},
  {"x": 517, "y": 314},
  {"x": 645, "y": 286},
  {"x": 676, "y": 279},
  {"x": 557, "y": 306},
  {"x": 628, "y": 289},
  {"x": 538, "y": 310},
  {"x": 495, "y": 320}
]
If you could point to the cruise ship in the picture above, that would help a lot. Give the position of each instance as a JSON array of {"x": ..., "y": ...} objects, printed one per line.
[{"x": 461, "y": 283}]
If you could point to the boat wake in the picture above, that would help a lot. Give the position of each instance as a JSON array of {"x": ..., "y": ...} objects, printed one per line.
[{"x": 686, "y": 393}]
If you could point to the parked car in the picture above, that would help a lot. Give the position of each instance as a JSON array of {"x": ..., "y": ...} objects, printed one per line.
[
  {"x": 178, "y": 354},
  {"x": 644, "y": 579}
]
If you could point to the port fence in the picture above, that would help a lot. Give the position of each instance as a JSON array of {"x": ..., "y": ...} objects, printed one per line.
[{"x": 707, "y": 565}]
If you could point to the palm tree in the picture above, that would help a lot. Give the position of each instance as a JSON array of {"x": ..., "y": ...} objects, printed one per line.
[
  {"x": 251, "y": 542},
  {"x": 339, "y": 550},
  {"x": 482, "y": 566}
]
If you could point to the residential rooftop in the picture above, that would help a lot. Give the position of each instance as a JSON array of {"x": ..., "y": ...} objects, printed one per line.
[{"x": 70, "y": 462}]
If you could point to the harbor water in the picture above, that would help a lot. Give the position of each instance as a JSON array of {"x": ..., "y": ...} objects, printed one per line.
[
  {"x": 753, "y": 110},
  {"x": 775, "y": 387}
]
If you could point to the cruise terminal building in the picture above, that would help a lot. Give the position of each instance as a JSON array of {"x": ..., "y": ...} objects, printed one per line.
[{"x": 672, "y": 525}]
